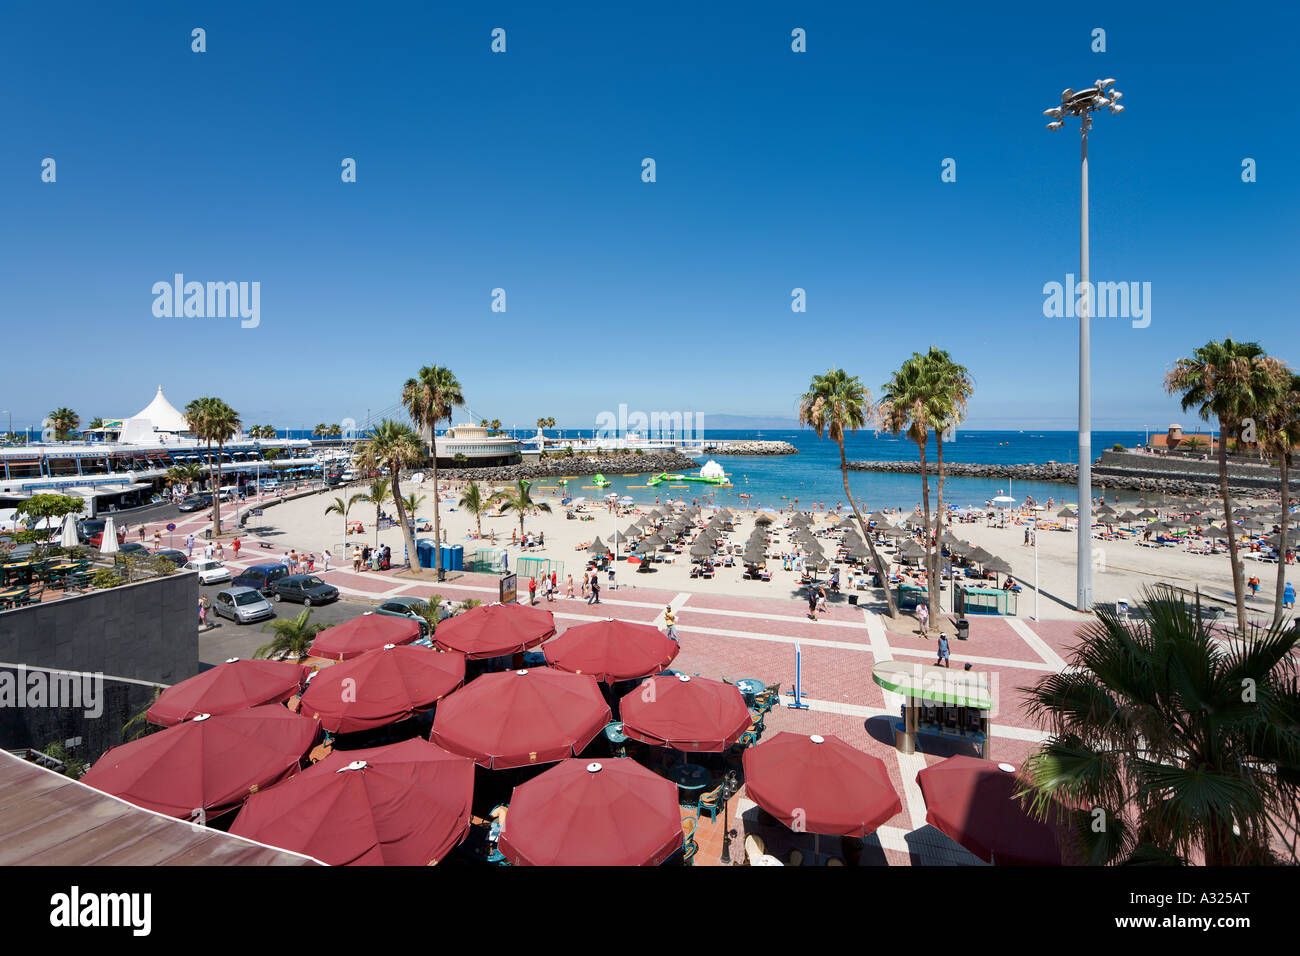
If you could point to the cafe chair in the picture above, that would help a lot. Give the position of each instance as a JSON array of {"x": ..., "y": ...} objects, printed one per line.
[
  {"x": 710, "y": 803},
  {"x": 689, "y": 846}
]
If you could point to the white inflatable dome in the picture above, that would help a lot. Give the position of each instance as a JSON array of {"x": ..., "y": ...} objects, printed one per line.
[{"x": 712, "y": 470}]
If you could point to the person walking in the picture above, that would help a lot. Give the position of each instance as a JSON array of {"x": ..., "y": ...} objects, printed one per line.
[
  {"x": 942, "y": 660},
  {"x": 923, "y": 616},
  {"x": 189, "y": 546},
  {"x": 204, "y": 604},
  {"x": 595, "y": 589},
  {"x": 325, "y": 560},
  {"x": 812, "y": 603},
  {"x": 208, "y": 552},
  {"x": 356, "y": 558},
  {"x": 532, "y": 590},
  {"x": 568, "y": 593},
  {"x": 1288, "y": 596},
  {"x": 670, "y": 622},
  {"x": 234, "y": 547},
  {"x": 157, "y": 540},
  {"x": 221, "y": 551}
]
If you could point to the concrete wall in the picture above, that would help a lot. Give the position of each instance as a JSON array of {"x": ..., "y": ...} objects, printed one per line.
[
  {"x": 137, "y": 636},
  {"x": 147, "y": 631},
  {"x": 1240, "y": 474}
]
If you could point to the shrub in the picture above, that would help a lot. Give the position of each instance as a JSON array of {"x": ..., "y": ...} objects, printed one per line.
[
  {"x": 1117, "y": 447},
  {"x": 106, "y": 578}
]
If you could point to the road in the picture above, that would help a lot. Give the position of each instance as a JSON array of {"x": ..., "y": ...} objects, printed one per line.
[{"x": 229, "y": 639}]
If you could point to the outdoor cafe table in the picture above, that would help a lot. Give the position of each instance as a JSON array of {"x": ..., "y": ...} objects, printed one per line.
[
  {"x": 921, "y": 683},
  {"x": 690, "y": 776},
  {"x": 614, "y": 732},
  {"x": 18, "y": 570},
  {"x": 751, "y": 687},
  {"x": 12, "y": 595}
]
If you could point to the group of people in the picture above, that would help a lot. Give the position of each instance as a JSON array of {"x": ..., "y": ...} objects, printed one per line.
[
  {"x": 305, "y": 563},
  {"x": 373, "y": 559}
]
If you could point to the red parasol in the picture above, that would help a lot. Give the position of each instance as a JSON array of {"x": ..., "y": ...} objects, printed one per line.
[
  {"x": 495, "y": 630},
  {"x": 207, "y": 765},
  {"x": 820, "y": 785},
  {"x": 685, "y": 713},
  {"x": 369, "y": 632},
  {"x": 612, "y": 650},
  {"x": 971, "y": 800},
  {"x": 231, "y": 686},
  {"x": 381, "y": 687},
  {"x": 611, "y": 813},
  {"x": 407, "y": 804},
  {"x": 517, "y": 718}
]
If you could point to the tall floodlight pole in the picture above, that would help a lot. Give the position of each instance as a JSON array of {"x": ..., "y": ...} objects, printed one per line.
[{"x": 1083, "y": 104}]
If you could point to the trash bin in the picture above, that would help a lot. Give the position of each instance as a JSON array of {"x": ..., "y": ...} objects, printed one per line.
[
  {"x": 207, "y": 532},
  {"x": 853, "y": 599},
  {"x": 963, "y": 629}
]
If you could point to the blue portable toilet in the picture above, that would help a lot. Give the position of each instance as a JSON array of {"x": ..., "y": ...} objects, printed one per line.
[
  {"x": 458, "y": 557},
  {"x": 424, "y": 552}
]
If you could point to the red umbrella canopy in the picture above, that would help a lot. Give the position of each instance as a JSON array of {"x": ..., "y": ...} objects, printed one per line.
[
  {"x": 971, "y": 801},
  {"x": 685, "y": 713},
  {"x": 234, "y": 685},
  {"x": 406, "y": 804},
  {"x": 495, "y": 630},
  {"x": 382, "y": 687},
  {"x": 517, "y": 718},
  {"x": 368, "y": 632},
  {"x": 612, "y": 650},
  {"x": 820, "y": 785},
  {"x": 209, "y": 763},
  {"x": 611, "y": 813}
]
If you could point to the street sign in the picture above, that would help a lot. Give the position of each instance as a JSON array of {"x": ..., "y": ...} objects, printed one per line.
[
  {"x": 508, "y": 585},
  {"x": 171, "y": 527}
]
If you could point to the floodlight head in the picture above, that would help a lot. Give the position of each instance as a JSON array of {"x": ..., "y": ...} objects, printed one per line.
[
  {"x": 1066, "y": 95},
  {"x": 1116, "y": 95},
  {"x": 1116, "y": 108},
  {"x": 1055, "y": 112},
  {"x": 1104, "y": 84}
]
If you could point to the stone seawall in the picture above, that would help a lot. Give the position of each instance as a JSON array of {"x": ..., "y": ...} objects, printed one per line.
[
  {"x": 608, "y": 465},
  {"x": 754, "y": 447}
]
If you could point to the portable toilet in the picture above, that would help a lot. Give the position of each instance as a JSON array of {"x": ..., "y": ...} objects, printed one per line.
[
  {"x": 424, "y": 552},
  {"x": 457, "y": 557}
]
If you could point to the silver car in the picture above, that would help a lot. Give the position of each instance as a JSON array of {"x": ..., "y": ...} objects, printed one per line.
[{"x": 243, "y": 605}]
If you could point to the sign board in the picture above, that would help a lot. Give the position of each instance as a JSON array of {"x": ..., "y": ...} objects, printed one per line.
[
  {"x": 170, "y": 526},
  {"x": 508, "y": 585}
]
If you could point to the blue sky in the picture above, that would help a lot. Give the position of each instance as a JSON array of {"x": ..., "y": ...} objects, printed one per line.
[{"x": 522, "y": 171}]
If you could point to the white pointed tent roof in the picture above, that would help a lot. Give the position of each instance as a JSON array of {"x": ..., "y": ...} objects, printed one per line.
[{"x": 159, "y": 415}]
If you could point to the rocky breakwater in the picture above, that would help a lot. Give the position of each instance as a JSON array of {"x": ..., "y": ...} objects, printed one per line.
[
  {"x": 558, "y": 467},
  {"x": 751, "y": 447},
  {"x": 1066, "y": 472}
]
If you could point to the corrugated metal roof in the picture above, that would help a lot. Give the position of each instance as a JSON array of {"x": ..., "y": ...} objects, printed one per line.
[{"x": 52, "y": 820}]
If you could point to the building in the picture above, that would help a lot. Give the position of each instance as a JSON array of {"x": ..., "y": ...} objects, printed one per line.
[
  {"x": 470, "y": 446},
  {"x": 1175, "y": 440}
]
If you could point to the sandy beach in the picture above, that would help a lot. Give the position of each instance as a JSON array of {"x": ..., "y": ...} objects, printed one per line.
[{"x": 1122, "y": 567}]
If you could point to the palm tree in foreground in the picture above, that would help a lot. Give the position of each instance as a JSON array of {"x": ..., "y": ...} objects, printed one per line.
[
  {"x": 341, "y": 507},
  {"x": 429, "y": 398},
  {"x": 391, "y": 448},
  {"x": 473, "y": 501},
  {"x": 952, "y": 391},
  {"x": 1171, "y": 744},
  {"x": 212, "y": 420},
  {"x": 430, "y": 610},
  {"x": 520, "y": 501},
  {"x": 1231, "y": 382},
  {"x": 835, "y": 403},
  {"x": 292, "y": 637}
]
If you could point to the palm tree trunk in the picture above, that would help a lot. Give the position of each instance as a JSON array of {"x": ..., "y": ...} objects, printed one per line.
[
  {"x": 1284, "y": 466},
  {"x": 925, "y": 516},
  {"x": 866, "y": 535},
  {"x": 437, "y": 534},
  {"x": 407, "y": 536},
  {"x": 1238, "y": 588},
  {"x": 216, "y": 496},
  {"x": 938, "y": 532}
]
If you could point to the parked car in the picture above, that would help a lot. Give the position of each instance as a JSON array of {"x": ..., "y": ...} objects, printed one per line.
[
  {"x": 261, "y": 576},
  {"x": 242, "y": 605},
  {"x": 402, "y": 607},
  {"x": 97, "y": 539},
  {"x": 351, "y": 474},
  {"x": 134, "y": 549},
  {"x": 304, "y": 589},
  {"x": 88, "y": 527},
  {"x": 209, "y": 571},
  {"x": 196, "y": 502},
  {"x": 176, "y": 557}
]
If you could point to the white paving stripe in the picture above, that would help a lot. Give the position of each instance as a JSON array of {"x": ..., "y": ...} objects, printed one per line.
[
  {"x": 879, "y": 636},
  {"x": 1040, "y": 646},
  {"x": 909, "y": 765}
]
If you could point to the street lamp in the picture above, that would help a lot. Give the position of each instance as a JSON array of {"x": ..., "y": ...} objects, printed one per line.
[
  {"x": 1083, "y": 104},
  {"x": 730, "y": 785}
]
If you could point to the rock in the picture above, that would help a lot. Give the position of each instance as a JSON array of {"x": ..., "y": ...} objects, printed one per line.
[
  {"x": 750, "y": 447},
  {"x": 559, "y": 466}
]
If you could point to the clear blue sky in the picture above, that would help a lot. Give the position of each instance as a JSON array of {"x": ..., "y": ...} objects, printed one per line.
[{"x": 775, "y": 170}]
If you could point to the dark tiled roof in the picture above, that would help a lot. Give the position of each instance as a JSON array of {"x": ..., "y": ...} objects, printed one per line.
[{"x": 49, "y": 819}]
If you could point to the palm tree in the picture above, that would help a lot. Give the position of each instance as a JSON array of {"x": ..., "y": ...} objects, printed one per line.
[
  {"x": 1192, "y": 444},
  {"x": 292, "y": 637},
  {"x": 413, "y": 503},
  {"x": 1279, "y": 435},
  {"x": 494, "y": 425},
  {"x": 188, "y": 474},
  {"x": 335, "y": 431},
  {"x": 64, "y": 421},
  {"x": 429, "y": 610},
  {"x": 1182, "y": 745},
  {"x": 211, "y": 419},
  {"x": 322, "y": 429},
  {"x": 377, "y": 495},
  {"x": 519, "y": 500},
  {"x": 473, "y": 501},
  {"x": 429, "y": 398},
  {"x": 341, "y": 507},
  {"x": 834, "y": 403},
  {"x": 392, "y": 447},
  {"x": 1233, "y": 383},
  {"x": 952, "y": 390},
  {"x": 907, "y": 406}
]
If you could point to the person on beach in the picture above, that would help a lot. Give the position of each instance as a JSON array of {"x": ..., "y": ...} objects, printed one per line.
[
  {"x": 585, "y": 582},
  {"x": 325, "y": 560},
  {"x": 670, "y": 622},
  {"x": 356, "y": 558},
  {"x": 1288, "y": 596},
  {"x": 942, "y": 660},
  {"x": 595, "y": 589},
  {"x": 923, "y": 616},
  {"x": 569, "y": 588},
  {"x": 555, "y": 585},
  {"x": 812, "y": 604},
  {"x": 532, "y": 590},
  {"x": 310, "y": 563}
]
